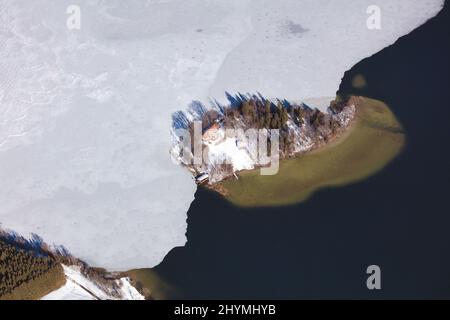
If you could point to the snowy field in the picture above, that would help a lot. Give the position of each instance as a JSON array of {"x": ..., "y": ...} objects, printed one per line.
[
  {"x": 85, "y": 115},
  {"x": 78, "y": 287}
]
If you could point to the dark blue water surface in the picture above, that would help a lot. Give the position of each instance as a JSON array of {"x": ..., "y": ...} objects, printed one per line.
[{"x": 398, "y": 219}]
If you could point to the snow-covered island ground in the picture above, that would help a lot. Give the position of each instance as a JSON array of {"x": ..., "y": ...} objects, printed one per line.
[
  {"x": 85, "y": 115},
  {"x": 240, "y": 136}
]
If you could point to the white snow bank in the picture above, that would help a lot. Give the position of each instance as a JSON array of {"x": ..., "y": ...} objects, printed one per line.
[
  {"x": 85, "y": 115},
  {"x": 69, "y": 291},
  {"x": 128, "y": 292},
  {"x": 228, "y": 151},
  {"x": 78, "y": 287}
]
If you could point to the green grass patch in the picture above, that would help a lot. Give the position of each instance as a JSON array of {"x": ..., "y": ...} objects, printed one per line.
[
  {"x": 375, "y": 138},
  {"x": 152, "y": 285}
]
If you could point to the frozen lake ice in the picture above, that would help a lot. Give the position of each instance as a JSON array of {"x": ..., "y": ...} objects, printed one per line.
[{"x": 85, "y": 115}]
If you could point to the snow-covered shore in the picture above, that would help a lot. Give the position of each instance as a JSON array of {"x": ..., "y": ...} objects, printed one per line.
[
  {"x": 85, "y": 115},
  {"x": 79, "y": 287}
]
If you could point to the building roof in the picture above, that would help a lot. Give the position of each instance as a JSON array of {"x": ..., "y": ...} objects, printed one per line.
[{"x": 212, "y": 134}]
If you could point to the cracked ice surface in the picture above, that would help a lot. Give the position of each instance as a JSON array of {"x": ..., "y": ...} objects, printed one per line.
[{"x": 85, "y": 115}]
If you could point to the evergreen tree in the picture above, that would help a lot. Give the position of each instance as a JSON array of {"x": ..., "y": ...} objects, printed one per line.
[
  {"x": 276, "y": 124},
  {"x": 268, "y": 114},
  {"x": 284, "y": 117}
]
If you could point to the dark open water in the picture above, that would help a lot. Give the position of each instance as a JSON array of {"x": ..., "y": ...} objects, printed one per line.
[{"x": 398, "y": 219}]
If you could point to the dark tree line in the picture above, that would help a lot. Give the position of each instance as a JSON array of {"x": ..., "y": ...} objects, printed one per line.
[
  {"x": 255, "y": 112},
  {"x": 26, "y": 275}
]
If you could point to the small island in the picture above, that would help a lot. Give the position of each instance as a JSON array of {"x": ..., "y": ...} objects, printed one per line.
[{"x": 352, "y": 140}]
